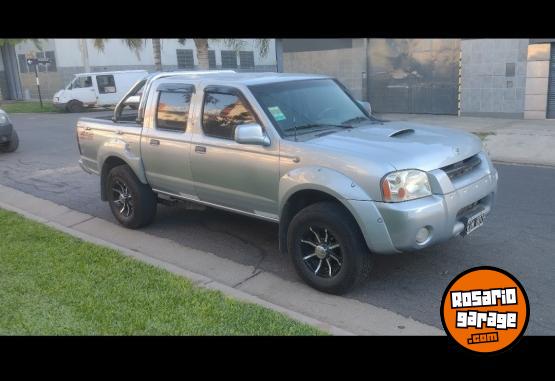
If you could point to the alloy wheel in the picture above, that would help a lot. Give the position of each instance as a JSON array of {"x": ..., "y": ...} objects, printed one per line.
[
  {"x": 123, "y": 199},
  {"x": 321, "y": 252}
]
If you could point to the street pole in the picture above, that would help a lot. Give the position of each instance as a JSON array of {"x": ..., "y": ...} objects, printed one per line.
[{"x": 38, "y": 83}]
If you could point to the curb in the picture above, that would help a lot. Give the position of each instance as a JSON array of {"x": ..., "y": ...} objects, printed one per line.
[
  {"x": 197, "y": 279},
  {"x": 336, "y": 315}
]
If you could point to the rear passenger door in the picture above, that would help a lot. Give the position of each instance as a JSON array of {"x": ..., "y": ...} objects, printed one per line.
[{"x": 166, "y": 139}]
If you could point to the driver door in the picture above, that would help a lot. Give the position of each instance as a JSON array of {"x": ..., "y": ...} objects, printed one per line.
[
  {"x": 243, "y": 177},
  {"x": 83, "y": 90}
]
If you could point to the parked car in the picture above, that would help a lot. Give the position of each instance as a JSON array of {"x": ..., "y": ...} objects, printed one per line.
[
  {"x": 9, "y": 141},
  {"x": 293, "y": 149},
  {"x": 102, "y": 89}
]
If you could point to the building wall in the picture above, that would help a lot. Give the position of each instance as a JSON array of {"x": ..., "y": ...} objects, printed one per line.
[
  {"x": 117, "y": 56},
  {"x": 346, "y": 62},
  {"x": 489, "y": 85},
  {"x": 537, "y": 80}
]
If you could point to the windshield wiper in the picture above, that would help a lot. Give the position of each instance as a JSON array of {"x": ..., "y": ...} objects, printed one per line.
[
  {"x": 357, "y": 119},
  {"x": 316, "y": 125}
]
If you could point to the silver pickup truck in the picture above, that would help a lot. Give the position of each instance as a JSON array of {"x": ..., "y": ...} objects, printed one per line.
[{"x": 297, "y": 150}]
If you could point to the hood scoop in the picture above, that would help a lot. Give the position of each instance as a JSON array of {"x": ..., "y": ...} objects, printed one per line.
[{"x": 404, "y": 131}]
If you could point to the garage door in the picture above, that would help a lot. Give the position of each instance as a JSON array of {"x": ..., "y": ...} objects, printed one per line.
[
  {"x": 551, "y": 87},
  {"x": 418, "y": 76}
]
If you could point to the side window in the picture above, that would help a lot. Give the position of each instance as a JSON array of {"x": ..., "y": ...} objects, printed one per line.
[
  {"x": 81, "y": 82},
  {"x": 222, "y": 113},
  {"x": 173, "y": 110},
  {"x": 106, "y": 84}
]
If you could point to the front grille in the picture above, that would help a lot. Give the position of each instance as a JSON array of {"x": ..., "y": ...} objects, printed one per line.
[
  {"x": 460, "y": 168},
  {"x": 467, "y": 209}
]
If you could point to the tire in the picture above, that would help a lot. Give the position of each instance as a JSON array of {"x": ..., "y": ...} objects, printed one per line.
[
  {"x": 12, "y": 145},
  {"x": 75, "y": 106},
  {"x": 137, "y": 205},
  {"x": 342, "y": 251}
]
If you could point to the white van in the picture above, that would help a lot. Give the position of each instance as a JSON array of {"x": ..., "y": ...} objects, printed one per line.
[{"x": 101, "y": 89}]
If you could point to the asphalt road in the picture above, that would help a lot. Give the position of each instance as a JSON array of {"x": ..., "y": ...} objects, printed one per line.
[{"x": 519, "y": 236}]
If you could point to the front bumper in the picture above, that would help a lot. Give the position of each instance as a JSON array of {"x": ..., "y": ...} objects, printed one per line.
[
  {"x": 5, "y": 133},
  {"x": 59, "y": 106},
  {"x": 442, "y": 215},
  {"x": 393, "y": 227}
]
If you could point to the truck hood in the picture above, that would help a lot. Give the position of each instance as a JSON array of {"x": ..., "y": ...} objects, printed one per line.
[{"x": 404, "y": 145}]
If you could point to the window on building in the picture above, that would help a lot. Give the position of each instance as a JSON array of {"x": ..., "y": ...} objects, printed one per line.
[
  {"x": 246, "y": 60},
  {"x": 106, "y": 84},
  {"x": 173, "y": 110},
  {"x": 229, "y": 59},
  {"x": 41, "y": 67},
  {"x": 222, "y": 113},
  {"x": 52, "y": 57},
  {"x": 22, "y": 60},
  {"x": 212, "y": 59},
  {"x": 185, "y": 59}
]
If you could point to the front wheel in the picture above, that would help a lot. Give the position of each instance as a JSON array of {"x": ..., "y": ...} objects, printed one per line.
[
  {"x": 132, "y": 203},
  {"x": 327, "y": 248},
  {"x": 75, "y": 106},
  {"x": 12, "y": 145}
]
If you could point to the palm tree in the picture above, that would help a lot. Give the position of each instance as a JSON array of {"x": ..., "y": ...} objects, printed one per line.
[
  {"x": 15, "y": 41},
  {"x": 157, "y": 50},
  {"x": 262, "y": 46},
  {"x": 135, "y": 44}
]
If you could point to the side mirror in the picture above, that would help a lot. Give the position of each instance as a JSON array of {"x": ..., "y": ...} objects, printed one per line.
[
  {"x": 251, "y": 134},
  {"x": 366, "y": 106},
  {"x": 133, "y": 101}
]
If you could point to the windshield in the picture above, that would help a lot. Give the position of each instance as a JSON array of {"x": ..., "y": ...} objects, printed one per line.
[{"x": 308, "y": 106}]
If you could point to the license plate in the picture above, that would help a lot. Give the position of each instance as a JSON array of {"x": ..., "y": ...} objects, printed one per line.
[{"x": 474, "y": 222}]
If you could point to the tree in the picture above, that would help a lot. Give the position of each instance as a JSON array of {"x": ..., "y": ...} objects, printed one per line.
[
  {"x": 262, "y": 46},
  {"x": 135, "y": 44},
  {"x": 15, "y": 41}
]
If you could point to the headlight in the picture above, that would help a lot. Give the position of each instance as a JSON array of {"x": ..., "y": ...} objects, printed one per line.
[
  {"x": 4, "y": 118},
  {"x": 405, "y": 185}
]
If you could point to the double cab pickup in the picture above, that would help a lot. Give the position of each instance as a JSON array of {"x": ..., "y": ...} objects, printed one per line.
[{"x": 294, "y": 149}]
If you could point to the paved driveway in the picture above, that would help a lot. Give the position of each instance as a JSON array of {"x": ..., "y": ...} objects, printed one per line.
[{"x": 519, "y": 236}]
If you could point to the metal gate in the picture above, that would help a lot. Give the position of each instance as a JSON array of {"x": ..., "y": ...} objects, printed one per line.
[
  {"x": 418, "y": 76},
  {"x": 551, "y": 86}
]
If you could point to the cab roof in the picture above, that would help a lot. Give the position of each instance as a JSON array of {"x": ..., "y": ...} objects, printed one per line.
[
  {"x": 241, "y": 78},
  {"x": 111, "y": 72}
]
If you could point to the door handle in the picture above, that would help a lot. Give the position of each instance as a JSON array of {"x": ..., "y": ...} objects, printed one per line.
[
  {"x": 200, "y": 149},
  {"x": 154, "y": 142}
]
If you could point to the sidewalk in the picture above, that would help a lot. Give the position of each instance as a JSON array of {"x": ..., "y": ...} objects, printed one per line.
[
  {"x": 334, "y": 314},
  {"x": 507, "y": 140}
]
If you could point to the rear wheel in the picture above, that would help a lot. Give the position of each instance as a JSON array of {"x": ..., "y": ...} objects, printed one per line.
[
  {"x": 12, "y": 145},
  {"x": 327, "y": 248},
  {"x": 132, "y": 203},
  {"x": 75, "y": 106}
]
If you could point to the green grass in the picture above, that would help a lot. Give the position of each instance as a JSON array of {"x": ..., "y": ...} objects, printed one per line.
[
  {"x": 27, "y": 106},
  {"x": 55, "y": 284},
  {"x": 483, "y": 135}
]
